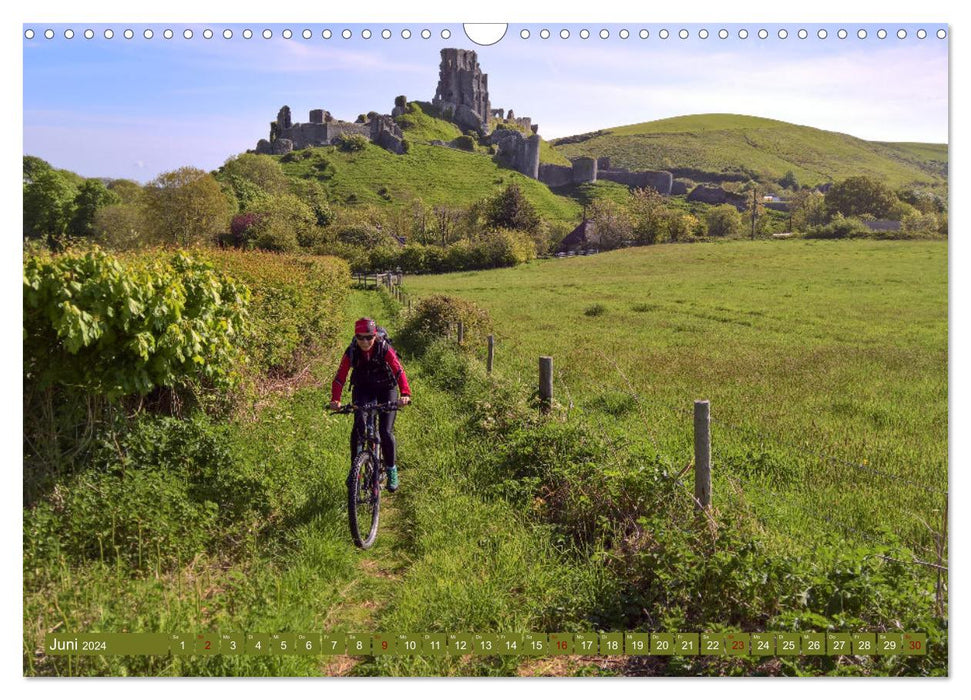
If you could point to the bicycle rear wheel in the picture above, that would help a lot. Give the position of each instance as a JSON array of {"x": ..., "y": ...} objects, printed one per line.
[{"x": 364, "y": 499}]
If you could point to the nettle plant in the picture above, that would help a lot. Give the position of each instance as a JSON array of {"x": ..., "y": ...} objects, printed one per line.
[{"x": 95, "y": 323}]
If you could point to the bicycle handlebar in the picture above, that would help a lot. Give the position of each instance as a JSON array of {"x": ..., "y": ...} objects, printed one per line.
[{"x": 372, "y": 406}]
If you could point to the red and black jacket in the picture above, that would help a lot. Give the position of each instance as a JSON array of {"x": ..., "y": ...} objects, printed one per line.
[{"x": 377, "y": 370}]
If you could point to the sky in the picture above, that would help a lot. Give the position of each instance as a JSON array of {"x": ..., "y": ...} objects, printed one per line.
[{"x": 137, "y": 107}]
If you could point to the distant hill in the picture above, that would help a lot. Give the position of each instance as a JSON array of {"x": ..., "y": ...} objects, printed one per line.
[{"x": 727, "y": 147}]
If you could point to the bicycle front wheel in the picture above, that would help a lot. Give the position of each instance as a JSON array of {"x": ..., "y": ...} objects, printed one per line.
[{"x": 364, "y": 499}]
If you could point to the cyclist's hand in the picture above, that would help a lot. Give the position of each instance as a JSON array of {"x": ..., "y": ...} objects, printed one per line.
[
  {"x": 334, "y": 405},
  {"x": 404, "y": 401}
]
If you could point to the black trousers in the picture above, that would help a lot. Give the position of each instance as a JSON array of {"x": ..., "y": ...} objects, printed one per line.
[{"x": 362, "y": 395}]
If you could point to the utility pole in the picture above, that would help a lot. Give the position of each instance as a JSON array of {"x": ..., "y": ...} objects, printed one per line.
[{"x": 755, "y": 206}]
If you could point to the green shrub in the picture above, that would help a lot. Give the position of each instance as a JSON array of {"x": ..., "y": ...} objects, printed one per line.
[
  {"x": 155, "y": 496},
  {"x": 115, "y": 327},
  {"x": 296, "y": 304},
  {"x": 465, "y": 142},
  {"x": 840, "y": 227},
  {"x": 595, "y": 310},
  {"x": 724, "y": 221},
  {"x": 434, "y": 317},
  {"x": 351, "y": 142}
]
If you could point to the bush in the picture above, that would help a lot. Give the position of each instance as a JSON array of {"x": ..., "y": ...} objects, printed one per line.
[
  {"x": 840, "y": 227},
  {"x": 724, "y": 221},
  {"x": 351, "y": 142},
  {"x": 114, "y": 327},
  {"x": 595, "y": 310},
  {"x": 465, "y": 142},
  {"x": 434, "y": 316},
  {"x": 156, "y": 496},
  {"x": 296, "y": 304}
]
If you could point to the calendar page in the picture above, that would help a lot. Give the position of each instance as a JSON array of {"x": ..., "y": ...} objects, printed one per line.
[{"x": 431, "y": 349}]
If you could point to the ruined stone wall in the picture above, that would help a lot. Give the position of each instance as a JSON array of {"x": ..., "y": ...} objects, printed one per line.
[
  {"x": 530, "y": 157},
  {"x": 659, "y": 180},
  {"x": 463, "y": 88},
  {"x": 584, "y": 170},
  {"x": 555, "y": 175},
  {"x": 307, "y": 135}
]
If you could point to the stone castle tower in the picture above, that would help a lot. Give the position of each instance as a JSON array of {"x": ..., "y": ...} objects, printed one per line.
[{"x": 463, "y": 89}]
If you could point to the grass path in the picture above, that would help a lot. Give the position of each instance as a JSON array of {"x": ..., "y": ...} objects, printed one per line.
[{"x": 449, "y": 557}]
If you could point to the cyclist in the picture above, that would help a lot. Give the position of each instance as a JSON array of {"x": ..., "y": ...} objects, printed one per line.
[{"x": 377, "y": 376}]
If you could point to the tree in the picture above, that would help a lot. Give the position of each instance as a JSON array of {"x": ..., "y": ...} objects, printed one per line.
[
  {"x": 446, "y": 222},
  {"x": 649, "y": 212},
  {"x": 128, "y": 191},
  {"x": 33, "y": 166},
  {"x": 510, "y": 209},
  {"x": 283, "y": 224},
  {"x": 48, "y": 204},
  {"x": 860, "y": 195},
  {"x": 313, "y": 193},
  {"x": 612, "y": 223},
  {"x": 789, "y": 181},
  {"x": 807, "y": 208},
  {"x": 186, "y": 207},
  {"x": 724, "y": 221},
  {"x": 121, "y": 226},
  {"x": 263, "y": 171},
  {"x": 91, "y": 197}
]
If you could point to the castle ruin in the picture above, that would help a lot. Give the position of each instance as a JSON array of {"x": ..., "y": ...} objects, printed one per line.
[{"x": 462, "y": 96}]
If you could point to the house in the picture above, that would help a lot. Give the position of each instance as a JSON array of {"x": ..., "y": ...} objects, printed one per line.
[{"x": 584, "y": 237}]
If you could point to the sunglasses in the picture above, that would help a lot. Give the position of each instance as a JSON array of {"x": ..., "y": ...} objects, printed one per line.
[{"x": 364, "y": 337}]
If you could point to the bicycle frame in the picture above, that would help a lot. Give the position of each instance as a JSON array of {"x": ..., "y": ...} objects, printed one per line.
[{"x": 365, "y": 475}]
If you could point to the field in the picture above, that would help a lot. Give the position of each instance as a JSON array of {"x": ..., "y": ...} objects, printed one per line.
[{"x": 825, "y": 364}]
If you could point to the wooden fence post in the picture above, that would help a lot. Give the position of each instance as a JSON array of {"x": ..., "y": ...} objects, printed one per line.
[
  {"x": 702, "y": 454},
  {"x": 461, "y": 332},
  {"x": 491, "y": 355},
  {"x": 546, "y": 382}
]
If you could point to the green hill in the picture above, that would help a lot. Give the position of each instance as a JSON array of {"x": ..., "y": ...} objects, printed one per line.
[
  {"x": 436, "y": 174},
  {"x": 726, "y": 147}
]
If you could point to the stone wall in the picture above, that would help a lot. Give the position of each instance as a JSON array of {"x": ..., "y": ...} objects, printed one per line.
[
  {"x": 717, "y": 195},
  {"x": 660, "y": 180},
  {"x": 321, "y": 130},
  {"x": 555, "y": 175},
  {"x": 584, "y": 170}
]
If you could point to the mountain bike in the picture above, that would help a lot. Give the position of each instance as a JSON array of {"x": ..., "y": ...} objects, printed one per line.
[{"x": 365, "y": 479}]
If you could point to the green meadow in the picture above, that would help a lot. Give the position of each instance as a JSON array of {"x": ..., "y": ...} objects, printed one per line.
[{"x": 825, "y": 364}]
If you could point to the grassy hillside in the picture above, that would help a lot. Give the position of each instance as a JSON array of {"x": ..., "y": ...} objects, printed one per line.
[
  {"x": 436, "y": 174},
  {"x": 717, "y": 147}
]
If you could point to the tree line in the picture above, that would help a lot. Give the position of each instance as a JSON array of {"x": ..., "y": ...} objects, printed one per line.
[{"x": 250, "y": 203}]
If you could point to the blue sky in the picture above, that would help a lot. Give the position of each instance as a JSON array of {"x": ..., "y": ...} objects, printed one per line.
[{"x": 137, "y": 107}]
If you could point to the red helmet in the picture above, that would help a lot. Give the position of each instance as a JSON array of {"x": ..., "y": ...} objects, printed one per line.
[{"x": 365, "y": 326}]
